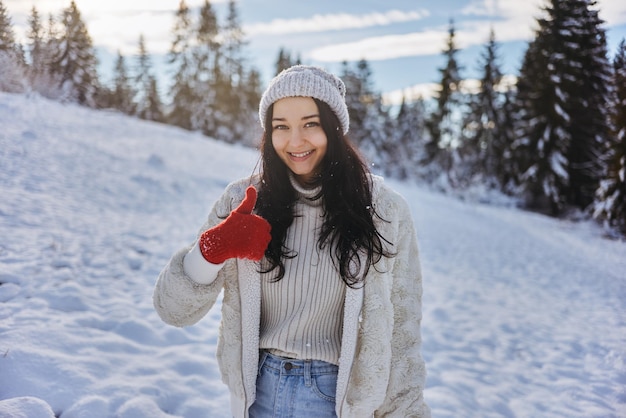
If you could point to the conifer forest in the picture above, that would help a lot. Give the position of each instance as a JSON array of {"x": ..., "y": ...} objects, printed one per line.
[{"x": 554, "y": 139}]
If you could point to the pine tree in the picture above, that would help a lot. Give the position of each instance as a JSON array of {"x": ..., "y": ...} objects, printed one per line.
[
  {"x": 357, "y": 108},
  {"x": 405, "y": 150},
  {"x": 228, "y": 78},
  {"x": 148, "y": 103},
  {"x": 541, "y": 143},
  {"x": 562, "y": 101},
  {"x": 44, "y": 43},
  {"x": 364, "y": 107},
  {"x": 233, "y": 44},
  {"x": 180, "y": 56},
  {"x": 123, "y": 93},
  {"x": 7, "y": 35},
  {"x": 154, "y": 109},
  {"x": 12, "y": 64},
  {"x": 285, "y": 60},
  {"x": 36, "y": 42},
  {"x": 374, "y": 136},
  {"x": 588, "y": 80},
  {"x": 505, "y": 165},
  {"x": 251, "y": 97},
  {"x": 232, "y": 89},
  {"x": 610, "y": 204},
  {"x": 370, "y": 121},
  {"x": 206, "y": 59},
  {"x": 484, "y": 133},
  {"x": 76, "y": 62},
  {"x": 443, "y": 123}
]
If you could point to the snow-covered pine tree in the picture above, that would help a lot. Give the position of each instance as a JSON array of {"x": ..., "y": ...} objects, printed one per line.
[
  {"x": 365, "y": 108},
  {"x": 12, "y": 66},
  {"x": 541, "y": 140},
  {"x": 180, "y": 58},
  {"x": 484, "y": 136},
  {"x": 562, "y": 98},
  {"x": 406, "y": 150},
  {"x": 369, "y": 119},
  {"x": 504, "y": 169},
  {"x": 376, "y": 122},
  {"x": 357, "y": 108},
  {"x": 444, "y": 123},
  {"x": 610, "y": 203},
  {"x": 75, "y": 62},
  {"x": 588, "y": 73}
]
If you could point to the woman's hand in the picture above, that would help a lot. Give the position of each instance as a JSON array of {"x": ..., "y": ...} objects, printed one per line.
[{"x": 241, "y": 235}]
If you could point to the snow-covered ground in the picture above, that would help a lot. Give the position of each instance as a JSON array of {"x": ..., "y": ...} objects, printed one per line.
[{"x": 524, "y": 315}]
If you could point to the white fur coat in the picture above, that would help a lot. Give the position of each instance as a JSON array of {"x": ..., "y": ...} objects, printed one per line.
[{"x": 381, "y": 370}]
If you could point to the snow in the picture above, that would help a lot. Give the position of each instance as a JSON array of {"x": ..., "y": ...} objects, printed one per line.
[{"x": 524, "y": 315}]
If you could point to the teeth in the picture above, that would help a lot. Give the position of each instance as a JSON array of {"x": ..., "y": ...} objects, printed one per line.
[{"x": 301, "y": 154}]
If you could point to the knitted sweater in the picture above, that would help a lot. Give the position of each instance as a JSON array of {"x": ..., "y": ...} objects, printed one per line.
[
  {"x": 381, "y": 370},
  {"x": 301, "y": 313}
]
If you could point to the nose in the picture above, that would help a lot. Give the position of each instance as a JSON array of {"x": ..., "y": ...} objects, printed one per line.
[{"x": 297, "y": 137}]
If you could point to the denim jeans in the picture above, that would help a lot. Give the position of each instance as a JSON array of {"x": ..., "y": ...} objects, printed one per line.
[{"x": 288, "y": 388}]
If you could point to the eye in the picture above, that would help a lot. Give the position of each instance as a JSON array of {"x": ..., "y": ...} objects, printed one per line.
[
  {"x": 279, "y": 127},
  {"x": 312, "y": 125}
]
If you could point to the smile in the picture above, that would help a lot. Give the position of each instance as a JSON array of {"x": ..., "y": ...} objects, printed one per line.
[{"x": 300, "y": 154}]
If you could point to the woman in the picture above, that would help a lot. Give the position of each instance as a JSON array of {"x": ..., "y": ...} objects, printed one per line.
[{"x": 321, "y": 277}]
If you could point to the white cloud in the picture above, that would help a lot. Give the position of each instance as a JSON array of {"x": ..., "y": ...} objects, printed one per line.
[
  {"x": 511, "y": 21},
  {"x": 613, "y": 12},
  {"x": 382, "y": 47},
  {"x": 481, "y": 8},
  {"x": 113, "y": 24},
  {"x": 92, "y": 8},
  {"x": 331, "y": 22},
  {"x": 112, "y": 31}
]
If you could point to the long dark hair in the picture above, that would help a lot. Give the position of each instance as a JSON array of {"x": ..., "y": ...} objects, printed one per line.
[{"x": 348, "y": 228}]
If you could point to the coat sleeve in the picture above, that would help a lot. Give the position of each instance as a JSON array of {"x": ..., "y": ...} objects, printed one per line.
[
  {"x": 405, "y": 390},
  {"x": 178, "y": 299}
]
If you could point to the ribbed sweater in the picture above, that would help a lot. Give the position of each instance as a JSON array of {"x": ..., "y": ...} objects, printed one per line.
[{"x": 301, "y": 314}]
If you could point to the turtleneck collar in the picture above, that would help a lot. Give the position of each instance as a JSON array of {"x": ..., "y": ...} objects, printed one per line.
[{"x": 306, "y": 195}]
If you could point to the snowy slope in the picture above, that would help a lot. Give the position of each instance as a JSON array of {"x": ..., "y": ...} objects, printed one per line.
[{"x": 524, "y": 316}]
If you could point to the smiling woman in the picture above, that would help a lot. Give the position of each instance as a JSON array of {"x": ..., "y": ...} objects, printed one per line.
[
  {"x": 298, "y": 137},
  {"x": 321, "y": 275}
]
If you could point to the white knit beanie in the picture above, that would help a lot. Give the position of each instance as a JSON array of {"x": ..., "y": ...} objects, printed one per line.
[{"x": 307, "y": 81}]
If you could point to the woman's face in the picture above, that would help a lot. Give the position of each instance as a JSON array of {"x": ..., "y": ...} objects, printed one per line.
[{"x": 298, "y": 137}]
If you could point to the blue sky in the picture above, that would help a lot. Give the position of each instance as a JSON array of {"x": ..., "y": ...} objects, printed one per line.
[{"x": 401, "y": 39}]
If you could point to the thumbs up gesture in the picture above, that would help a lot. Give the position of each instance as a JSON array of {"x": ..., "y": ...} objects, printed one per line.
[{"x": 240, "y": 235}]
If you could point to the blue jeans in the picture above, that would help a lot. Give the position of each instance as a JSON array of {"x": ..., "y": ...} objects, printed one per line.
[{"x": 288, "y": 388}]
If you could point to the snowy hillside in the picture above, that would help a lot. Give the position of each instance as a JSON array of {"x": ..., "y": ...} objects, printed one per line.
[{"x": 524, "y": 315}]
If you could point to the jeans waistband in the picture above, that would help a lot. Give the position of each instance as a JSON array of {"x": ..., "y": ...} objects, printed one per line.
[{"x": 294, "y": 366}]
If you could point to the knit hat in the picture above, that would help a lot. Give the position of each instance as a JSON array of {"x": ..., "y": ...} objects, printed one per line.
[{"x": 307, "y": 81}]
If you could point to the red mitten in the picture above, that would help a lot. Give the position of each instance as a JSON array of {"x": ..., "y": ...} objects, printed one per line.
[{"x": 240, "y": 235}]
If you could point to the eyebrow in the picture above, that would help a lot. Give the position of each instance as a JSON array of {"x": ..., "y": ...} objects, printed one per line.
[{"x": 316, "y": 115}]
